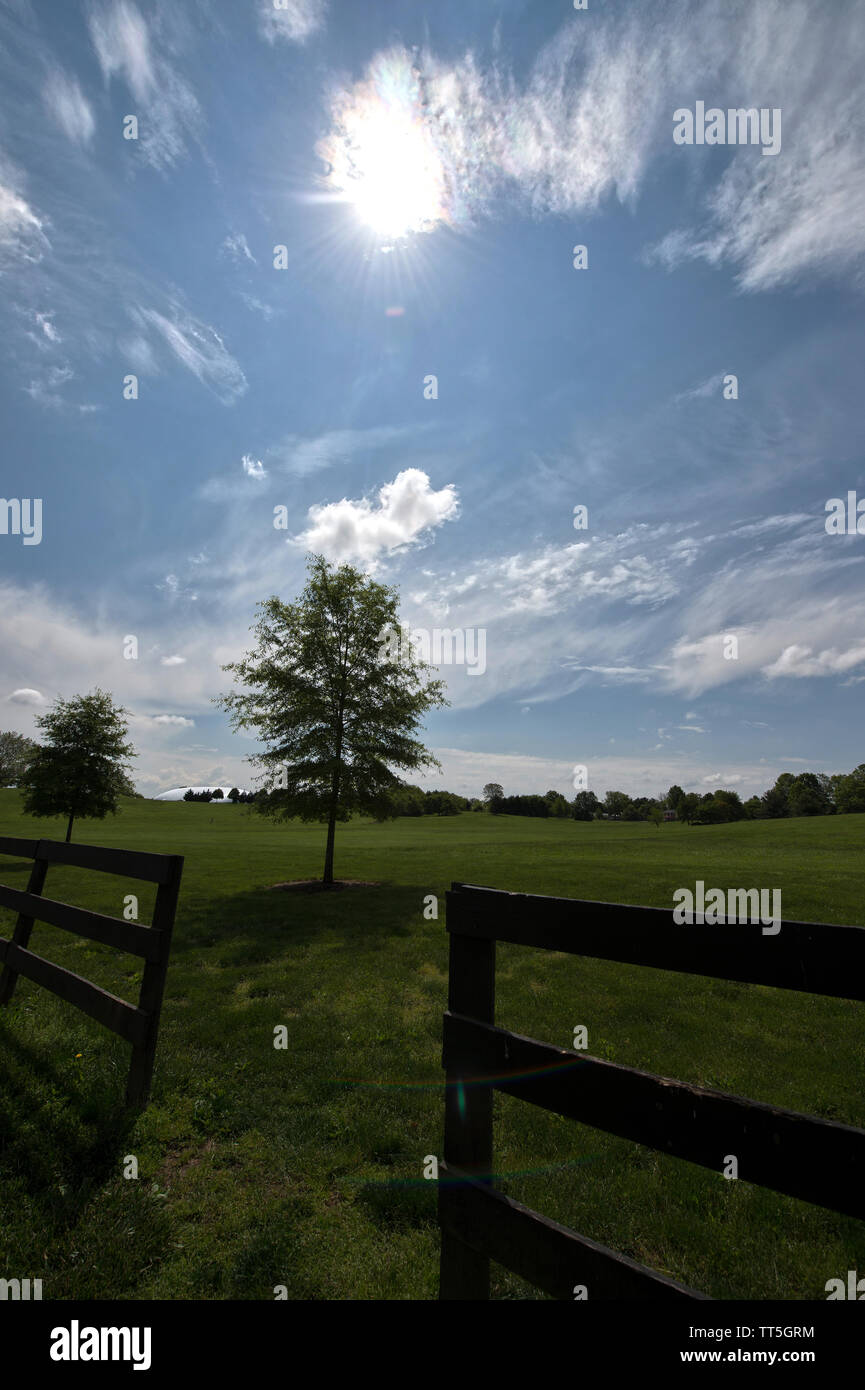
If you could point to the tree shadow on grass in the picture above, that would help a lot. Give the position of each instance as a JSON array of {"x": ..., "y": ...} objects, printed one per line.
[
  {"x": 59, "y": 1139},
  {"x": 260, "y": 923}
]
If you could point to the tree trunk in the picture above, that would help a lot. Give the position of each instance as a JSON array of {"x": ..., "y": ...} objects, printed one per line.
[
  {"x": 69, "y": 829},
  {"x": 328, "y": 853},
  {"x": 327, "y": 880}
]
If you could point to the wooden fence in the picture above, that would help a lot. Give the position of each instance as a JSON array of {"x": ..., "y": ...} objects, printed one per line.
[
  {"x": 139, "y": 1025},
  {"x": 815, "y": 1160}
]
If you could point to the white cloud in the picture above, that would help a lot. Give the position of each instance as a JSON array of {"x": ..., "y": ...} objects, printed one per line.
[
  {"x": 199, "y": 348},
  {"x": 798, "y": 660},
  {"x": 302, "y": 455},
  {"x": 596, "y": 110},
  {"x": 292, "y": 20},
  {"x": 26, "y": 696},
  {"x": 363, "y": 529},
  {"x": 44, "y": 322},
  {"x": 69, "y": 107},
  {"x": 253, "y": 468},
  {"x": 168, "y": 111},
  {"x": 22, "y": 237},
  {"x": 238, "y": 248},
  {"x": 173, "y": 661}
]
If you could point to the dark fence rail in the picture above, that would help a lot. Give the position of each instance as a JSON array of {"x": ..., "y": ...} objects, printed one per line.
[
  {"x": 137, "y": 1024},
  {"x": 816, "y": 1160}
]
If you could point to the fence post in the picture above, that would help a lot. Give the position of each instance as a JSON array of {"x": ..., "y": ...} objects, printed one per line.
[
  {"x": 153, "y": 986},
  {"x": 23, "y": 928},
  {"x": 468, "y": 1139}
]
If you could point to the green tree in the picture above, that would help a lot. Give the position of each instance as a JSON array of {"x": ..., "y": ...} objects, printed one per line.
[
  {"x": 674, "y": 797},
  {"x": 616, "y": 803},
  {"x": 777, "y": 799},
  {"x": 16, "y": 753},
  {"x": 234, "y": 794},
  {"x": 849, "y": 791},
  {"x": 688, "y": 807},
  {"x": 807, "y": 796},
  {"x": 80, "y": 770},
  {"x": 557, "y": 803},
  {"x": 337, "y": 697},
  {"x": 656, "y": 815},
  {"x": 493, "y": 791},
  {"x": 585, "y": 806}
]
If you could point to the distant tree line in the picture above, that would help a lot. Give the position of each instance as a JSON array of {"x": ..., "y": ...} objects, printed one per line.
[
  {"x": 805, "y": 794},
  {"x": 218, "y": 794}
]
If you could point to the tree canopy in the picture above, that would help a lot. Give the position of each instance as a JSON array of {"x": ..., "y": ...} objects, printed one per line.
[
  {"x": 336, "y": 698},
  {"x": 81, "y": 769}
]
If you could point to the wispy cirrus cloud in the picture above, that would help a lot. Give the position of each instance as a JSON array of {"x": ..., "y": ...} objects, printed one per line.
[
  {"x": 22, "y": 231},
  {"x": 127, "y": 48},
  {"x": 293, "y": 21},
  {"x": 69, "y": 107},
  {"x": 198, "y": 347},
  {"x": 596, "y": 111},
  {"x": 302, "y": 455}
]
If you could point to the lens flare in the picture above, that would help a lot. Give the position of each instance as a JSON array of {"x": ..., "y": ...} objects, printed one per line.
[{"x": 382, "y": 154}]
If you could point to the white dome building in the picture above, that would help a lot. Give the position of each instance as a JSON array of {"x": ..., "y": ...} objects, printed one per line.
[{"x": 178, "y": 793}]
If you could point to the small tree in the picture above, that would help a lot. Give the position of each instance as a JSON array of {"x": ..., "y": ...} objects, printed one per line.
[
  {"x": 80, "y": 770},
  {"x": 337, "y": 698},
  {"x": 493, "y": 791},
  {"x": 16, "y": 753},
  {"x": 234, "y": 794},
  {"x": 218, "y": 795}
]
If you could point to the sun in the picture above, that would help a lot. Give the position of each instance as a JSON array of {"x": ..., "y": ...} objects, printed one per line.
[{"x": 383, "y": 157}]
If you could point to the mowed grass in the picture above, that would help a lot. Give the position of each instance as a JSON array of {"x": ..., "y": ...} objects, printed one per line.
[{"x": 303, "y": 1167}]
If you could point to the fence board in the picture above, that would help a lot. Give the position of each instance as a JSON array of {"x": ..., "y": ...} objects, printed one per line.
[
  {"x": 808, "y": 956},
  {"x": 541, "y": 1251},
  {"x": 802, "y": 1156},
  {"x": 779, "y": 1149},
  {"x": 110, "y": 931},
  {"x": 122, "y": 1018},
  {"x": 129, "y": 863}
]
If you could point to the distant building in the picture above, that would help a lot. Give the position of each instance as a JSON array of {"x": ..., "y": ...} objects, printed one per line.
[
  {"x": 178, "y": 793},
  {"x": 670, "y": 815}
]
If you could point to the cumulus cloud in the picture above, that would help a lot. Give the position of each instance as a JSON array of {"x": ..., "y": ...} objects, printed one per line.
[
  {"x": 26, "y": 696},
  {"x": 253, "y": 468},
  {"x": 798, "y": 660},
  {"x": 364, "y": 529}
]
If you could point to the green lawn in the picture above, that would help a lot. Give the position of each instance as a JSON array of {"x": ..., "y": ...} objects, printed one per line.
[{"x": 303, "y": 1167}]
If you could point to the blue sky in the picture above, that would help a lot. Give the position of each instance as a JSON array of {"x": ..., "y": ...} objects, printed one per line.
[{"x": 429, "y": 169}]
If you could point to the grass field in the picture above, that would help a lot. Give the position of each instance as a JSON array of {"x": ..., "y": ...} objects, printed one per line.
[{"x": 303, "y": 1167}]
